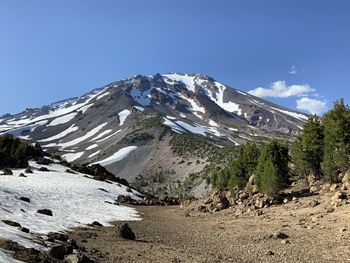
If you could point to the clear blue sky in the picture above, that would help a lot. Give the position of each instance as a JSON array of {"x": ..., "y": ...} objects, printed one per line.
[{"x": 52, "y": 50}]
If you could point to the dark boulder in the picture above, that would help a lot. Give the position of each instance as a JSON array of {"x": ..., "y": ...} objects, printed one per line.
[
  {"x": 47, "y": 212},
  {"x": 126, "y": 232}
]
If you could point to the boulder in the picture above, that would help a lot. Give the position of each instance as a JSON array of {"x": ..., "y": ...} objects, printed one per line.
[
  {"x": 24, "y": 199},
  {"x": 203, "y": 208},
  {"x": 47, "y": 212},
  {"x": 28, "y": 170},
  {"x": 126, "y": 232},
  {"x": 7, "y": 171},
  {"x": 333, "y": 187},
  {"x": 78, "y": 258},
  {"x": 60, "y": 251},
  {"x": 57, "y": 236},
  {"x": 346, "y": 180},
  {"x": 220, "y": 201},
  {"x": 339, "y": 196},
  {"x": 261, "y": 202},
  {"x": 96, "y": 223},
  {"x": 315, "y": 188},
  {"x": 11, "y": 223},
  {"x": 24, "y": 229},
  {"x": 279, "y": 235}
]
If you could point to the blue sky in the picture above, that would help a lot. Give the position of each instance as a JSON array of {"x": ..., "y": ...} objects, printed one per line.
[{"x": 295, "y": 53}]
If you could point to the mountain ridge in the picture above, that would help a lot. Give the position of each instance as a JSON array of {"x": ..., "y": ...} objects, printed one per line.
[{"x": 128, "y": 125}]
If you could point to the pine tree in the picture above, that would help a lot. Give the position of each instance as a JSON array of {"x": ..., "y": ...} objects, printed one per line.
[
  {"x": 272, "y": 172},
  {"x": 238, "y": 172},
  {"x": 307, "y": 149},
  {"x": 336, "y": 140}
]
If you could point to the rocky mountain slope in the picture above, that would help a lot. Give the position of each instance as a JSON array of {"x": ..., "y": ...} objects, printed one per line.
[{"x": 133, "y": 126}]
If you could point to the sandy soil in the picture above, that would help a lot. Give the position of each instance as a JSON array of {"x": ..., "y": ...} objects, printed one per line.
[{"x": 170, "y": 234}]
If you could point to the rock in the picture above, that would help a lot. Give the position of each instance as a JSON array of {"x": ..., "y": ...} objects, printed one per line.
[
  {"x": 270, "y": 253},
  {"x": 325, "y": 187},
  {"x": 43, "y": 169},
  {"x": 203, "y": 208},
  {"x": 73, "y": 243},
  {"x": 24, "y": 229},
  {"x": 346, "y": 180},
  {"x": 285, "y": 200},
  {"x": 339, "y": 196},
  {"x": 313, "y": 203},
  {"x": 208, "y": 201},
  {"x": 57, "y": 236},
  {"x": 11, "y": 223},
  {"x": 125, "y": 232},
  {"x": 285, "y": 241},
  {"x": 261, "y": 202},
  {"x": 259, "y": 213},
  {"x": 343, "y": 229},
  {"x": 60, "y": 251},
  {"x": 312, "y": 178},
  {"x": 78, "y": 258},
  {"x": 24, "y": 199},
  {"x": 22, "y": 175},
  {"x": 333, "y": 187},
  {"x": 7, "y": 171},
  {"x": 330, "y": 210},
  {"x": 220, "y": 201},
  {"x": 47, "y": 212},
  {"x": 315, "y": 188},
  {"x": 279, "y": 235},
  {"x": 28, "y": 170},
  {"x": 124, "y": 199},
  {"x": 96, "y": 223}
]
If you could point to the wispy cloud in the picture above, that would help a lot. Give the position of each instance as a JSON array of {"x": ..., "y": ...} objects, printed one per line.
[
  {"x": 293, "y": 70},
  {"x": 280, "y": 89},
  {"x": 314, "y": 106}
]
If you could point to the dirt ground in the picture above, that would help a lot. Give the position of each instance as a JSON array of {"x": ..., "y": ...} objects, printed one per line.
[{"x": 318, "y": 233}]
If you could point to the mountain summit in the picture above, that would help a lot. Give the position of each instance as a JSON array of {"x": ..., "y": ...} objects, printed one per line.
[{"x": 128, "y": 125}]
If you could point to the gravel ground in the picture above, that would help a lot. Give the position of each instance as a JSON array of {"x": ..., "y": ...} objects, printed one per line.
[{"x": 170, "y": 234}]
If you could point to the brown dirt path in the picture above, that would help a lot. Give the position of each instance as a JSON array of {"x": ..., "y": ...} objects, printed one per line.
[{"x": 169, "y": 234}]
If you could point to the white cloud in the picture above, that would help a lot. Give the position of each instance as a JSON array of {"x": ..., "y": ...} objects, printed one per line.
[
  {"x": 280, "y": 89},
  {"x": 293, "y": 70},
  {"x": 312, "y": 105}
]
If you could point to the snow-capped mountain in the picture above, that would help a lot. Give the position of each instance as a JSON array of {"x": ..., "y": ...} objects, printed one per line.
[{"x": 119, "y": 125}]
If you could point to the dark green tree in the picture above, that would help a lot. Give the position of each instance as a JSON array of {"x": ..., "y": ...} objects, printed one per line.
[
  {"x": 336, "y": 140},
  {"x": 272, "y": 172},
  {"x": 307, "y": 149},
  {"x": 238, "y": 172}
]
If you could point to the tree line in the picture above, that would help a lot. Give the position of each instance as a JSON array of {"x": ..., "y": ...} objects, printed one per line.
[{"x": 321, "y": 151}]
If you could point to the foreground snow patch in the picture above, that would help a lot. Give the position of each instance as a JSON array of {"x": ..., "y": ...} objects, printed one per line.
[{"x": 74, "y": 199}]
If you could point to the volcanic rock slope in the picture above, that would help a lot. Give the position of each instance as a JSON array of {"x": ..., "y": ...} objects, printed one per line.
[{"x": 128, "y": 125}]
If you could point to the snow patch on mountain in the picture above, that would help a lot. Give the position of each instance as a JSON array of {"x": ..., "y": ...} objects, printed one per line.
[
  {"x": 70, "y": 157},
  {"x": 93, "y": 146},
  {"x": 122, "y": 116},
  {"x": 82, "y": 138},
  {"x": 63, "y": 119},
  {"x": 185, "y": 79},
  {"x": 60, "y": 135},
  {"x": 118, "y": 156}
]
